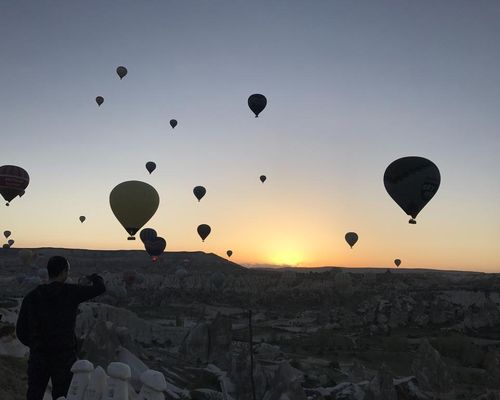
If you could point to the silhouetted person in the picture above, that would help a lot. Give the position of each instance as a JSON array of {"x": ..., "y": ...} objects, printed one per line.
[{"x": 46, "y": 324}]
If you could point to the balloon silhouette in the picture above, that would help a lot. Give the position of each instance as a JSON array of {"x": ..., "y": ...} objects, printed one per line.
[
  {"x": 173, "y": 123},
  {"x": 204, "y": 230},
  {"x": 412, "y": 182},
  {"x": 10, "y": 242},
  {"x": 199, "y": 192},
  {"x": 397, "y": 261},
  {"x": 82, "y": 218},
  {"x": 229, "y": 253},
  {"x": 351, "y": 238},
  {"x": 147, "y": 235},
  {"x": 150, "y": 166},
  {"x": 6, "y": 234},
  {"x": 263, "y": 178},
  {"x": 155, "y": 247},
  {"x": 133, "y": 203},
  {"x": 5, "y": 246},
  {"x": 99, "y": 100},
  {"x": 13, "y": 181},
  {"x": 257, "y": 103},
  {"x": 121, "y": 71}
]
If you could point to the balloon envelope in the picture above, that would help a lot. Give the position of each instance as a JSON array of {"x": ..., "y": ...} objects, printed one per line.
[
  {"x": 6, "y": 234},
  {"x": 150, "y": 166},
  {"x": 82, "y": 218},
  {"x": 10, "y": 242},
  {"x": 99, "y": 100},
  {"x": 133, "y": 203},
  {"x": 148, "y": 235},
  {"x": 199, "y": 192},
  {"x": 257, "y": 103},
  {"x": 262, "y": 178},
  {"x": 121, "y": 71},
  {"x": 173, "y": 123},
  {"x": 351, "y": 238},
  {"x": 397, "y": 261},
  {"x": 412, "y": 182},
  {"x": 156, "y": 247},
  {"x": 204, "y": 230},
  {"x": 5, "y": 246},
  {"x": 13, "y": 181},
  {"x": 229, "y": 253}
]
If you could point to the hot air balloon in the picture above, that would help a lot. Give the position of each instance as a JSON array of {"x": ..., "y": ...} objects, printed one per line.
[
  {"x": 229, "y": 253},
  {"x": 150, "y": 166},
  {"x": 133, "y": 203},
  {"x": 262, "y": 178},
  {"x": 10, "y": 242},
  {"x": 148, "y": 235},
  {"x": 6, "y": 234},
  {"x": 397, "y": 261},
  {"x": 99, "y": 100},
  {"x": 412, "y": 182},
  {"x": 13, "y": 181},
  {"x": 199, "y": 192},
  {"x": 257, "y": 103},
  {"x": 155, "y": 247},
  {"x": 173, "y": 123},
  {"x": 82, "y": 218},
  {"x": 351, "y": 238},
  {"x": 203, "y": 231},
  {"x": 5, "y": 246},
  {"x": 26, "y": 256},
  {"x": 121, "y": 71}
]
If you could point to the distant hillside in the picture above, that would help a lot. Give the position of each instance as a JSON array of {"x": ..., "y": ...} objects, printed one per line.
[
  {"x": 375, "y": 270},
  {"x": 83, "y": 260}
]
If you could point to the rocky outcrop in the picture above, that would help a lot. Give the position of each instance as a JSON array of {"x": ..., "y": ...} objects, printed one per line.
[
  {"x": 489, "y": 395},
  {"x": 430, "y": 370},
  {"x": 206, "y": 394},
  {"x": 142, "y": 331},
  {"x": 209, "y": 343},
  {"x": 408, "y": 389},
  {"x": 286, "y": 384},
  {"x": 343, "y": 391},
  {"x": 381, "y": 387}
]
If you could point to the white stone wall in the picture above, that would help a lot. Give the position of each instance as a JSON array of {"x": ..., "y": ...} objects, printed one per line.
[{"x": 91, "y": 383}]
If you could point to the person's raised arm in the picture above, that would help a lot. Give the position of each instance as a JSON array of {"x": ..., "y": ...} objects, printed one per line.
[{"x": 83, "y": 293}]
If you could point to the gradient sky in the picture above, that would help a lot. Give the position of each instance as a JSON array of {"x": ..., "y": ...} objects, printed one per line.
[{"x": 351, "y": 86}]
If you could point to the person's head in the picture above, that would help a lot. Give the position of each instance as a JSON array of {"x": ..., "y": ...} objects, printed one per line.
[{"x": 58, "y": 268}]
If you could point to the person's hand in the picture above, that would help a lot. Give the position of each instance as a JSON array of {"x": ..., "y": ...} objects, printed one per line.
[{"x": 84, "y": 280}]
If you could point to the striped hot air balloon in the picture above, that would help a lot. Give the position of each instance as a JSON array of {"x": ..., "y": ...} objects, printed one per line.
[{"x": 13, "y": 181}]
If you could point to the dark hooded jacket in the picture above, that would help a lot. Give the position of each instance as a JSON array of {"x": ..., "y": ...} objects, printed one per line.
[{"x": 47, "y": 317}]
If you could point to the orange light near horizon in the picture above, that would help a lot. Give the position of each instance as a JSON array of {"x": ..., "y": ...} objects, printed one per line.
[{"x": 287, "y": 255}]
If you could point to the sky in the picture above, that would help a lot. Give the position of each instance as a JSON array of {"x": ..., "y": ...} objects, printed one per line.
[{"x": 351, "y": 87}]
